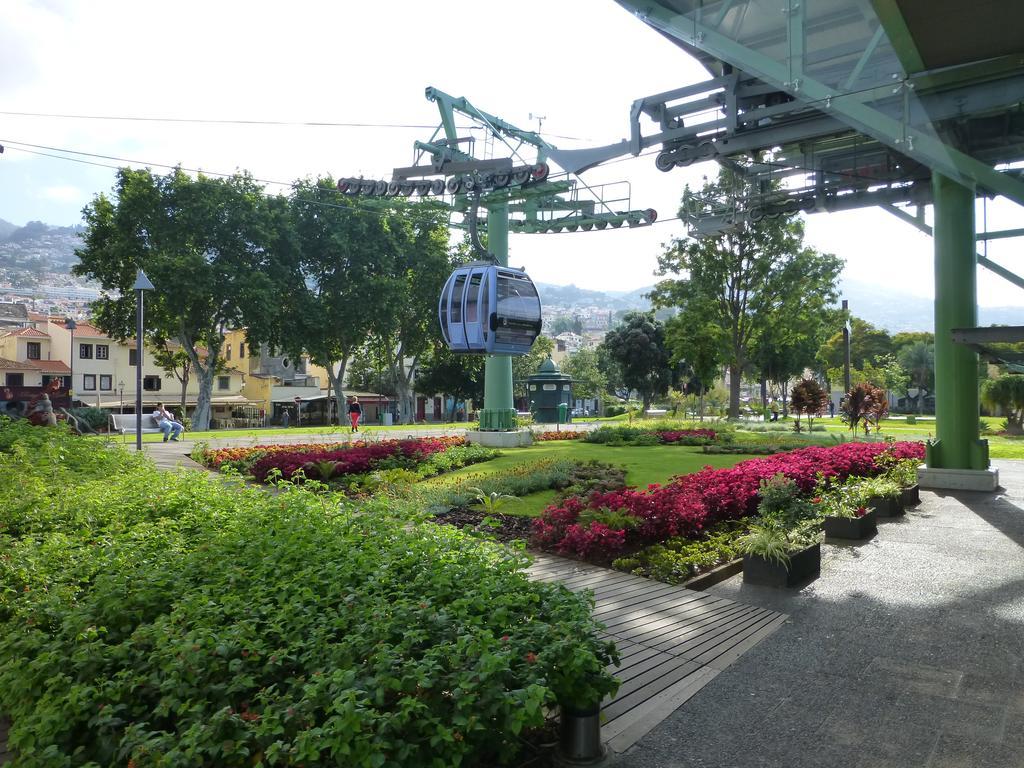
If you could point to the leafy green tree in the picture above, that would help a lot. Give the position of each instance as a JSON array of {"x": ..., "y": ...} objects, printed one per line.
[
  {"x": 458, "y": 376},
  {"x": 1006, "y": 392},
  {"x": 745, "y": 277},
  {"x": 419, "y": 266},
  {"x": 692, "y": 338},
  {"x": 208, "y": 245},
  {"x": 588, "y": 382},
  {"x": 908, "y": 338},
  {"x": 867, "y": 344},
  {"x": 638, "y": 346},
  {"x": 564, "y": 324},
  {"x": 918, "y": 360},
  {"x": 341, "y": 286},
  {"x": 612, "y": 372},
  {"x": 176, "y": 363},
  {"x": 368, "y": 371}
]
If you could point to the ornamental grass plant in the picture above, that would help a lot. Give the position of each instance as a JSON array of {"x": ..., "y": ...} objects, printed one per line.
[{"x": 176, "y": 619}]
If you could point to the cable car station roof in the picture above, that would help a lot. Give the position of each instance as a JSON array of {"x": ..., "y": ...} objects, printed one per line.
[{"x": 836, "y": 104}]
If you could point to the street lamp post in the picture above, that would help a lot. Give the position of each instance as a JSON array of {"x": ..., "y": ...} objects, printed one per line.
[
  {"x": 142, "y": 284},
  {"x": 71, "y": 325},
  {"x": 120, "y": 393}
]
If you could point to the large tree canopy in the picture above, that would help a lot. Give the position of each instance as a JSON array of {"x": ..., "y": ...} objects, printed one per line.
[
  {"x": 588, "y": 382},
  {"x": 638, "y": 347},
  {"x": 751, "y": 279},
  {"x": 208, "y": 245}
]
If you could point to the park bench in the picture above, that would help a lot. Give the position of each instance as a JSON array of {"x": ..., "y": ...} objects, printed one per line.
[
  {"x": 125, "y": 423},
  {"x": 655, "y": 413}
]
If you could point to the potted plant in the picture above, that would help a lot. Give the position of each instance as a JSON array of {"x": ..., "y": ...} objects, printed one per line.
[
  {"x": 845, "y": 515},
  {"x": 904, "y": 472},
  {"x": 776, "y": 557},
  {"x": 784, "y": 549},
  {"x": 580, "y": 689},
  {"x": 882, "y": 494}
]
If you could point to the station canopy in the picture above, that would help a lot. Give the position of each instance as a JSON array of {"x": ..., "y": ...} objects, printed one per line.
[{"x": 833, "y": 104}]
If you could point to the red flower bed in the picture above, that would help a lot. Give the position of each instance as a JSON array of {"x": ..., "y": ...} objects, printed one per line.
[
  {"x": 216, "y": 457},
  {"x": 690, "y": 503},
  {"x": 686, "y": 436},
  {"x": 349, "y": 458},
  {"x": 566, "y": 435}
]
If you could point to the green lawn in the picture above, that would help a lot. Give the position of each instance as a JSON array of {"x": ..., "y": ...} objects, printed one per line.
[
  {"x": 643, "y": 465},
  {"x": 315, "y": 433}
]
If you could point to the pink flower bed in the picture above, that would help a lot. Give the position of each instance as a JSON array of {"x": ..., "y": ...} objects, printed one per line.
[
  {"x": 690, "y": 503},
  {"x": 686, "y": 436},
  {"x": 350, "y": 460}
]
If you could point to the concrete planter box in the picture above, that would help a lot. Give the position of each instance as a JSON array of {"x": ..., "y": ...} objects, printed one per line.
[
  {"x": 855, "y": 528},
  {"x": 802, "y": 566},
  {"x": 912, "y": 495},
  {"x": 885, "y": 506}
]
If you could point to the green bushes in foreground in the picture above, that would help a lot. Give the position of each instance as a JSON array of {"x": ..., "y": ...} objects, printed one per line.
[{"x": 176, "y": 620}]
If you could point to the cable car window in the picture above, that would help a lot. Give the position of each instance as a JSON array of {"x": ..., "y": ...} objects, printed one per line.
[
  {"x": 471, "y": 298},
  {"x": 460, "y": 283},
  {"x": 517, "y": 297},
  {"x": 485, "y": 304}
]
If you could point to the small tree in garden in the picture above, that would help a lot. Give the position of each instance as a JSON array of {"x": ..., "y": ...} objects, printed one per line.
[
  {"x": 1007, "y": 394},
  {"x": 863, "y": 404},
  {"x": 808, "y": 399}
]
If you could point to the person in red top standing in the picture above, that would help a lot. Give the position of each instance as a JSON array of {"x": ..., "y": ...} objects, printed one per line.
[{"x": 355, "y": 410}]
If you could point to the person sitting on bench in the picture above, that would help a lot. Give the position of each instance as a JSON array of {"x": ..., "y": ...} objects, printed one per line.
[{"x": 165, "y": 421}]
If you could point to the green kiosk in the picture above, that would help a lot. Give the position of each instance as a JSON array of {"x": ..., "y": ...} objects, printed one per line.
[{"x": 550, "y": 393}]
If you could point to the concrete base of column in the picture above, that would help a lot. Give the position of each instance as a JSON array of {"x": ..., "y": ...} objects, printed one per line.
[
  {"x": 519, "y": 438},
  {"x": 934, "y": 478}
]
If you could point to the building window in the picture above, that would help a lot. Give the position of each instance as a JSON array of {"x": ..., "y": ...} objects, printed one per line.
[
  {"x": 15, "y": 379},
  {"x": 102, "y": 351},
  {"x": 89, "y": 382},
  {"x": 241, "y": 350},
  {"x": 227, "y": 351},
  {"x": 151, "y": 383},
  {"x": 133, "y": 357},
  {"x": 106, "y": 382},
  {"x": 33, "y": 350},
  {"x": 85, "y": 351},
  {"x": 223, "y": 382}
]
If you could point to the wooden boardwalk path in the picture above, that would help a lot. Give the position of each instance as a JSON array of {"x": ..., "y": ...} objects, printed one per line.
[{"x": 673, "y": 641}]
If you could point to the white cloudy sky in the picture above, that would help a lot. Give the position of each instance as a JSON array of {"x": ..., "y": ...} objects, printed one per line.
[{"x": 579, "y": 63}]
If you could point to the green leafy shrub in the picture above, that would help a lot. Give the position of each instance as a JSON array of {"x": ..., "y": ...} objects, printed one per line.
[
  {"x": 678, "y": 559},
  {"x": 174, "y": 619}
]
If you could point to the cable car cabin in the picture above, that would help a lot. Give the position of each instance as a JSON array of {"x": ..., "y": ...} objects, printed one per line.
[{"x": 488, "y": 309}]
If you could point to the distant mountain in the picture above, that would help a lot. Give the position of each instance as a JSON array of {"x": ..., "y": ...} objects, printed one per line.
[
  {"x": 890, "y": 308},
  {"x": 570, "y": 296},
  {"x": 6, "y": 228},
  {"x": 38, "y": 247}
]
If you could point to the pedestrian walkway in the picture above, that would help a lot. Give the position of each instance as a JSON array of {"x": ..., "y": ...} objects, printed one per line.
[
  {"x": 673, "y": 641},
  {"x": 906, "y": 652}
]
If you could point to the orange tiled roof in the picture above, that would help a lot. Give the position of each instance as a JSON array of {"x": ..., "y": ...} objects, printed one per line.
[
  {"x": 50, "y": 366},
  {"x": 85, "y": 330},
  {"x": 28, "y": 332},
  {"x": 14, "y": 365}
]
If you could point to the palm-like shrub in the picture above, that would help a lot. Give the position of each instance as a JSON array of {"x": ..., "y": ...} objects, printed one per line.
[
  {"x": 1007, "y": 393},
  {"x": 863, "y": 404},
  {"x": 808, "y": 399}
]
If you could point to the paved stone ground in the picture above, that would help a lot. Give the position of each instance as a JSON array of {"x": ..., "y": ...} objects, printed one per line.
[{"x": 906, "y": 652}]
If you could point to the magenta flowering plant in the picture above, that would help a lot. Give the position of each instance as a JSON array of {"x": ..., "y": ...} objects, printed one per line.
[{"x": 689, "y": 504}]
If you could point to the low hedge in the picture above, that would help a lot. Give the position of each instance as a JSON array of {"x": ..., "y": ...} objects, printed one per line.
[{"x": 172, "y": 619}]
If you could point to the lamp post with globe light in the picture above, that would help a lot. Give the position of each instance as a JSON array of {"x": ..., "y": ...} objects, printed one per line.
[{"x": 142, "y": 285}]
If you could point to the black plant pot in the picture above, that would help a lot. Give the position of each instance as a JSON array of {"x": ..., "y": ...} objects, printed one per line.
[
  {"x": 886, "y": 506},
  {"x": 912, "y": 495},
  {"x": 579, "y": 741},
  {"x": 852, "y": 527},
  {"x": 770, "y": 573}
]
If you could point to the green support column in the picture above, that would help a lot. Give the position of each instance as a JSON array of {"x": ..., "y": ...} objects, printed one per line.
[
  {"x": 499, "y": 413},
  {"x": 956, "y": 366}
]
